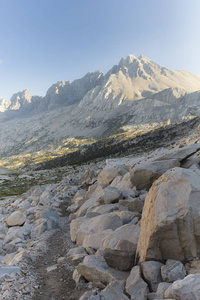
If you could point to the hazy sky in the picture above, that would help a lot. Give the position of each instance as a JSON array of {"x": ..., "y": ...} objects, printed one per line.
[{"x": 44, "y": 41}]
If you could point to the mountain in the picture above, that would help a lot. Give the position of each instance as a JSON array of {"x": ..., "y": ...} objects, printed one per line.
[{"x": 134, "y": 94}]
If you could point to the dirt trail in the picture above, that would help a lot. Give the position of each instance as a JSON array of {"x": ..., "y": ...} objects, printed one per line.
[{"x": 58, "y": 283}]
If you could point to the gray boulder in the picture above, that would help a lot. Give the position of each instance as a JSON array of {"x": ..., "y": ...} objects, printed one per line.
[
  {"x": 96, "y": 225},
  {"x": 136, "y": 287},
  {"x": 151, "y": 271},
  {"x": 180, "y": 153},
  {"x": 133, "y": 204},
  {"x": 113, "y": 291},
  {"x": 173, "y": 270},
  {"x": 106, "y": 176},
  {"x": 111, "y": 195},
  {"x": 94, "y": 268},
  {"x": 186, "y": 289}
]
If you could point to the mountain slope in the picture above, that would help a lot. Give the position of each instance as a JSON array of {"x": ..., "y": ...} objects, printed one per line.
[{"x": 135, "y": 94}]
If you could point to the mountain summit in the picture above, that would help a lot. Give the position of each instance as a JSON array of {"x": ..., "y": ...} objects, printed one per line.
[
  {"x": 135, "y": 93},
  {"x": 132, "y": 79}
]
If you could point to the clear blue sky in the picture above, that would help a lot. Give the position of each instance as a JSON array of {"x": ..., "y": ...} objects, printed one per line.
[{"x": 44, "y": 41}]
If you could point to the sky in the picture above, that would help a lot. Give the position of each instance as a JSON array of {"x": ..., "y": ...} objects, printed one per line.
[{"x": 45, "y": 41}]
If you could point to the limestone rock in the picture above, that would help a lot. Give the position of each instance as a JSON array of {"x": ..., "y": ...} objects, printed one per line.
[
  {"x": 173, "y": 270},
  {"x": 136, "y": 287},
  {"x": 17, "y": 218},
  {"x": 186, "y": 289},
  {"x": 170, "y": 225},
  {"x": 151, "y": 271}
]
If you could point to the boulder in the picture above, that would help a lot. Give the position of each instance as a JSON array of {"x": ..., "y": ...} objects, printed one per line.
[
  {"x": 121, "y": 260},
  {"x": 79, "y": 196},
  {"x": 103, "y": 209},
  {"x": 88, "y": 178},
  {"x": 133, "y": 204},
  {"x": 39, "y": 228},
  {"x": 74, "y": 225},
  {"x": 93, "y": 240},
  {"x": 127, "y": 216},
  {"x": 170, "y": 225},
  {"x": 144, "y": 174},
  {"x": 90, "y": 203},
  {"x": 76, "y": 253},
  {"x": 128, "y": 192},
  {"x": 186, "y": 289},
  {"x": 136, "y": 287},
  {"x": 124, "y": 238},
  {"x": 172, "y": 271},
  {"x": 94, "y": 268},
  {"x": 8, "y": 271},
  {"x": 180, "y": 153},
  {"x": 151, "y": 271},
  {"x": 46, "y": 198},
  {"x": 162, "y": 287},
  {"x": 111, "y": 195},
  {"x": 97, "y": 225},
  {"x": 193, "y": 267},
  {"x": 106, "y": 176},
  {"x": 17, "y": 218},
  {"x": 122, "y": 181},
  {"x": 120, "y": 247},
  {"x": 13, "y": 233},
  {"x": 113, "y": 291}
]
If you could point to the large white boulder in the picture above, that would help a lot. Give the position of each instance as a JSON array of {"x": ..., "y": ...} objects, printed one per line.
[{"x": 170, "y": 225}]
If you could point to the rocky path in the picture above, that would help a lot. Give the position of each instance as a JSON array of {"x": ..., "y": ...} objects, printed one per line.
[
  {"x": 57, "y": 283},
  {"x": 52, "y": 267}
]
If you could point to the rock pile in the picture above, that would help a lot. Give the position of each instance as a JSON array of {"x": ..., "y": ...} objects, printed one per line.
[
  {"x": 24, "y": 222},
  {"x": 136, "y": 224},
  {"x": 137, "y": 228}
]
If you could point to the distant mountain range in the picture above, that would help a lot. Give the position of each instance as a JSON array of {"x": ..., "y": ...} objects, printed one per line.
[{"x": 136, "y": 92}]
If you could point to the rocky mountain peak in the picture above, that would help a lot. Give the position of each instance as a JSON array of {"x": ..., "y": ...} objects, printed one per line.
[
  {"x": 3, "y": 104},
  {"x": 19, "y": 100}
]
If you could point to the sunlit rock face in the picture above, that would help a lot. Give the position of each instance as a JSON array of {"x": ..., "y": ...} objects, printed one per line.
[{"x": 135, "y": 94}]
